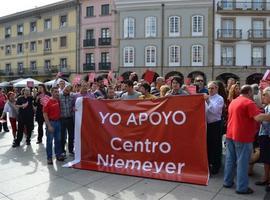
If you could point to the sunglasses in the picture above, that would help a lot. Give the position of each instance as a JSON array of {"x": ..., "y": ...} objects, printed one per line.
[{"x": 199, "y": 80}]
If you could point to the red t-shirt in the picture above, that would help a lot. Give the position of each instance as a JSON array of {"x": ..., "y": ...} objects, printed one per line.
[
  {"x": 241, "y": 125},
  {"x": 52, "y": 108},
  {"x": 3, "y": 99}
]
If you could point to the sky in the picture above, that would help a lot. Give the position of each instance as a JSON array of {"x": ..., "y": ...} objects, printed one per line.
[{"x": 12, "y": 6}]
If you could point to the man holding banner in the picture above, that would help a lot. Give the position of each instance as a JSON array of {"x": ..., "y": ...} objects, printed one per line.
[{"x": 241, "y": 130}]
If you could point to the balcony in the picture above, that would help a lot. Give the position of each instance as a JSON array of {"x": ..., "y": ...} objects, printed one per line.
[
  {"x": 228, "y": 61},
  {"x": 258, "y": 61},
  {"x": 229, "y": 35},
  {"x": 47, "y": 51},
  {"x": 20, "y": 71},
  {"x": 89, "y": 67},
  {"x": 8, "y": 73},
  {"x": 105, "y": 66},
  {"x": 104, "y": 41},
  {"x": 259, "y": 35},
  {"x": 243, "y": 7},
  {"x": 7, "y": 36},
  {"x": 89, "y": 43}
]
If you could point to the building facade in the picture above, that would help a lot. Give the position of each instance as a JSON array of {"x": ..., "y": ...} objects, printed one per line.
[
  {"x": 39, "y": 42},
  {"x": 98, "y": 36},
  {"x": 169, "y": 37},
  {"x": 242, "y": 39}
]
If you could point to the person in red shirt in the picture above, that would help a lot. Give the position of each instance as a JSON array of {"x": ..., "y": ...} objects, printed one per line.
[
  {"x": 243, "y": 116},
  {"x": 51, "y": 114}
]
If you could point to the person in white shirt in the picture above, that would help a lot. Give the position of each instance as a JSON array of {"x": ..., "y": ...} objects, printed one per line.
[{"x": 214, "y": 107}]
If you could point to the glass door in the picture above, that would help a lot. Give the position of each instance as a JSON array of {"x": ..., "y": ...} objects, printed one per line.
[{"x": 227, "y": 28}]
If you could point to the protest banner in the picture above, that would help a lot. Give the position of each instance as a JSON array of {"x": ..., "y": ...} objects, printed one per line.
[{"x": 162, "y": 139}]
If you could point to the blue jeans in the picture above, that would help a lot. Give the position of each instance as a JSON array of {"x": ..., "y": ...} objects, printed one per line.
[
  {"x": 56, "y": 136},
  {"x": 237, "y": 156}
]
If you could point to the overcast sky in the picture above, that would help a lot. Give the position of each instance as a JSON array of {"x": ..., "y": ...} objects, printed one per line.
[{"x": 13, "y": 6}]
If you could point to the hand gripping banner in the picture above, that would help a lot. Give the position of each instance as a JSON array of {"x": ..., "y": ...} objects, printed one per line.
[{"x": 161, "y": 139}]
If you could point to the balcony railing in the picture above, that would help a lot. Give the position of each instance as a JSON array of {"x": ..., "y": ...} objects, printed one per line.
[
  {"x": 88, "y": 66},
  {"x": 105, "y": 66},
  {"x": 38, "y": 71},
  {"x": 227, "y": 61},
  {"x": 21, "y": 71},
  {"x": 259, "y": 34},
  {"x": 258, "y": 61},
  {"x": 7, "y": 36},
  {"x": 229, "y": 34},
  {"x": 89, "y": 43},
  {"x": 243, "y": 6},
  {"x": 47, "y": 51},
  {"x": 104, "y": 41}
]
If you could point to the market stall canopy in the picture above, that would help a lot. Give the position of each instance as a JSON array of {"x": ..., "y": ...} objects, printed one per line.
[
  {"x": 55, "y": 82},
  {"x": 26, "y": 82},
  {"x": 16, "y": 81},
  {"x": 4, "y": 84}
]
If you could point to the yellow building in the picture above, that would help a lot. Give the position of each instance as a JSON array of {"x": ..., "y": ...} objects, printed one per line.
[{"x": 40, "y": 42}]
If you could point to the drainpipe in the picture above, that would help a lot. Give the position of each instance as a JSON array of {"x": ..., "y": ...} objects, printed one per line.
[
  {"x": 213, "y": 39},
  {"x": 162, "y": 39},
  {"x": 78, "y": 39}
]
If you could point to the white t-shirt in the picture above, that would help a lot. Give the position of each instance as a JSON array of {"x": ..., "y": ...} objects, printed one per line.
[{"x": 8, "y": 108}]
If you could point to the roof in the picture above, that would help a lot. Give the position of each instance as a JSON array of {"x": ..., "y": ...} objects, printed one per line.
[{"x": 39, "y": 10}]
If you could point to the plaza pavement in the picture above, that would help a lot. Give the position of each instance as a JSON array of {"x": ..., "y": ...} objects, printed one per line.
[{"x": 24, "y": 175}]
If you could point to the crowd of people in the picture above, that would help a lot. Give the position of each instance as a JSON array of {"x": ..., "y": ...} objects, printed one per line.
[{"x": 230, "y": 109}]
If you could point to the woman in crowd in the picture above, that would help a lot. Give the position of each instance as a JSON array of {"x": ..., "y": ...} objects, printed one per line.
[
  {"x": 234, "y": 92},
  {"x": 176, "y": 84},
  {"x": 11, "y": 108},
  {"x": 39, "y": 103}
]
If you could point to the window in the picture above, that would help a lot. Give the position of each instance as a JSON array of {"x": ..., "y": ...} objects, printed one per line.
[
  {"x": 197, "y": 25},
  {"x": 258, "y": 56},
  {"x": 89, "y": 34},
  {"x": 105, "y": 9},
  {"x": 89, "y": 58},
  {"x": 128, "y": 56},
  {"x": 8, "y": 67},
  {"x": 20, "y": 67},
  {"x": 47, "y": 64},
  {"x": 8, "y": 50},
  {"x": 174, "y": 55},
  {"x": 63, "y": 21},
  {"x": 197, "y": 55},
  {"x": 227, "y": 56},
  {"x": 129, "y": 27},
  {"x": 47, "y": 24},
  {"x": 150, "y": 27},
  {"x": 20, "y": 48},
  {"x": 105, "y": 33},
  {"x": 33, "y": 27},
  {"x": 105, "y": 58},
  {"x": 227, "y": 28},
  {"x": 90, "y": 11},
  {"x": 63, "y": 41},
  {"x": 174, "y": 26},
  {"x": 33, "y": 46},
  {"x": 63, "y": 63},
  {"x": 47, "y": 45},
  {"x": 20, "y": 29},
  {"x": 7, "y": 32},
  {"x": 150, "y": 56},
  {"x": 33, "y": 65}
]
